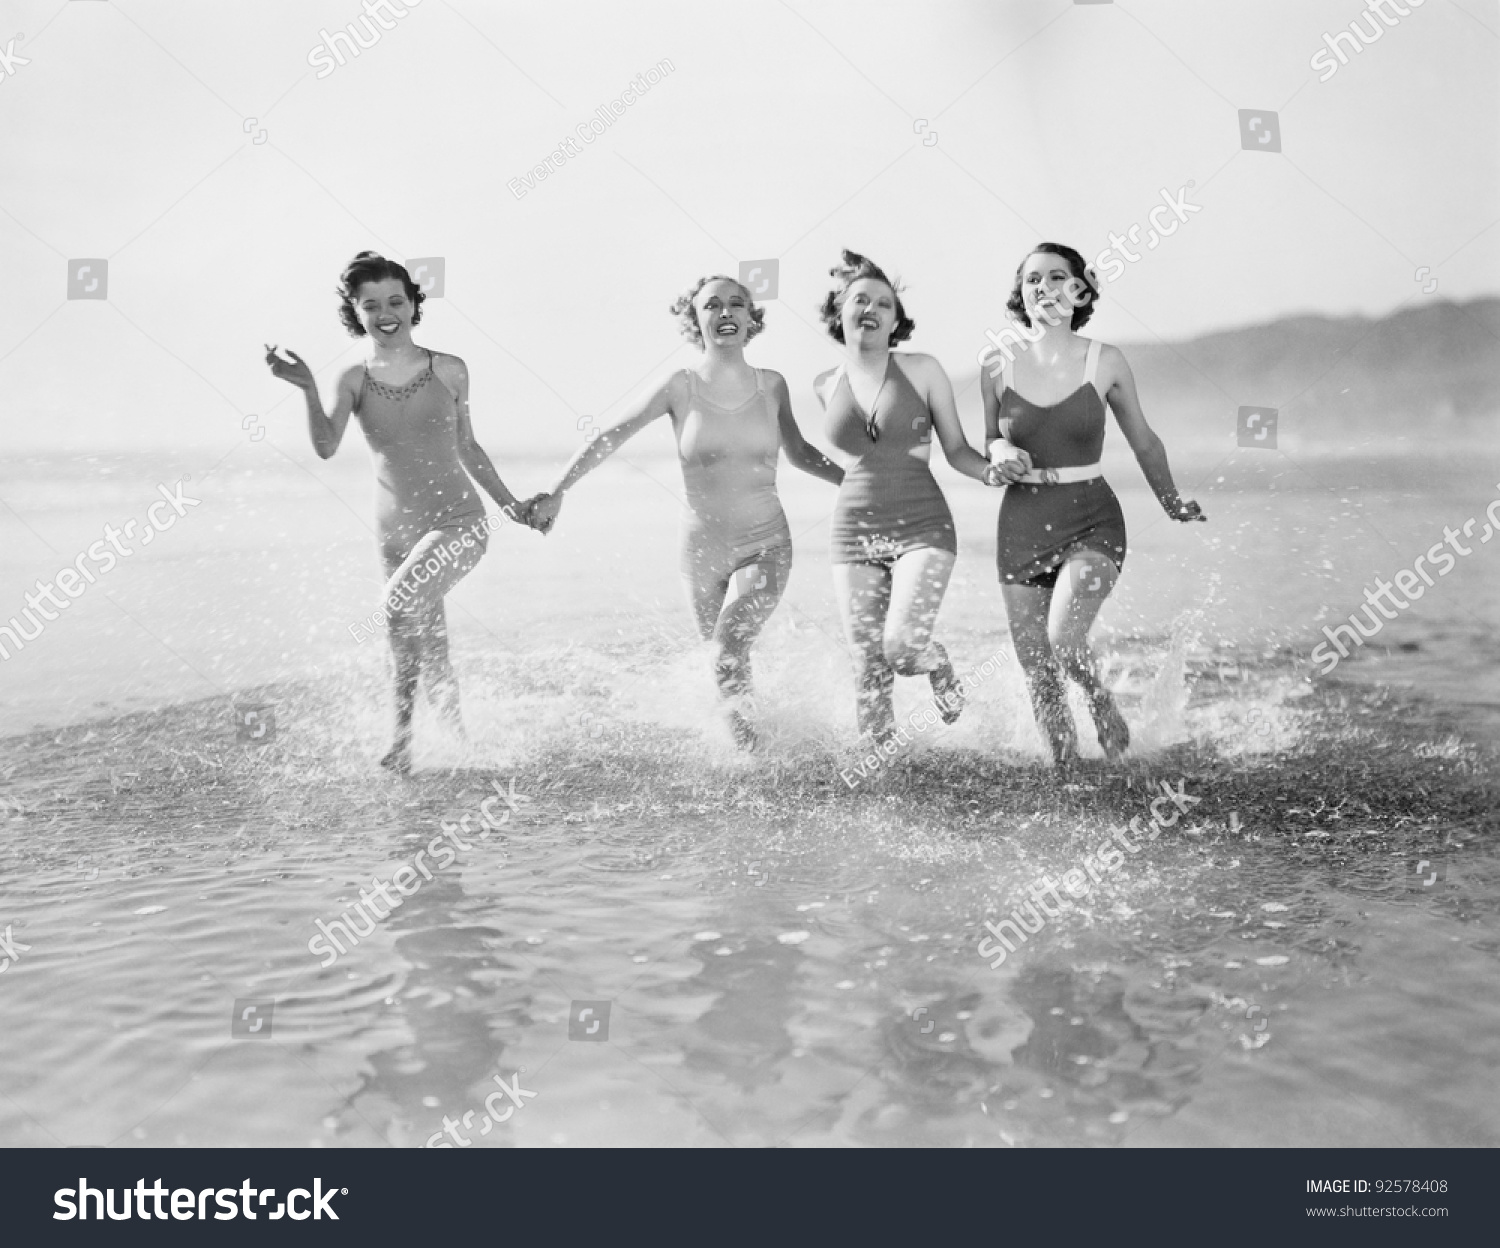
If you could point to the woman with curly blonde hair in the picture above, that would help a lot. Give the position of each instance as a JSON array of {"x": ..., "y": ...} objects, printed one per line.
[{"x": 731, "y": 422}]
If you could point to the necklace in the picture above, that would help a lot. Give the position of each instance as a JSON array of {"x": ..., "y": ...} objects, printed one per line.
[{"x": 870, "y": 426}]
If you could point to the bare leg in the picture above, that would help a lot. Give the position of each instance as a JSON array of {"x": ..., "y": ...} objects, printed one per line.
[
  {"x": 754, "y": 592},
  {"x": 1085, "y": 581},
  {"x": 1026, "y": 607},
  {"x": 417, "y": 587},
  {"x": 437, "y": 670},
  {"x": 918, "y": 582},
  {"x": 732, "y": 614},
  {"x": 864, "y": 594}
]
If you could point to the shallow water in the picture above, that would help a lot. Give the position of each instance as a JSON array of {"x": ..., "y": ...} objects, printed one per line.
[{"x": 786, "y": 959}]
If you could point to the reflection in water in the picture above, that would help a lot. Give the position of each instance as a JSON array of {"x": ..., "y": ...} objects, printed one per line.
[
  {"x": 786, "y": 962},
  {"x": 458, "y": 999}
]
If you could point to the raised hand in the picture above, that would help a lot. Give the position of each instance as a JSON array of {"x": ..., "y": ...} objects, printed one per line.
[{"x": 294, "y": 370}]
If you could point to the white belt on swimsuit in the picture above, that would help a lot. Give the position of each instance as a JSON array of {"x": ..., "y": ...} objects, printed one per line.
[{"x": 1062, "y": 476}]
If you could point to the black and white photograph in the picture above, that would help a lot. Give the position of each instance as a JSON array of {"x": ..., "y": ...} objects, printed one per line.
[{"x": 797, "y": 574}]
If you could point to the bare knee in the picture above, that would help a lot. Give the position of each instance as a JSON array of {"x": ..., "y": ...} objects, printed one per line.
[{"x": 1033, "y": 651}]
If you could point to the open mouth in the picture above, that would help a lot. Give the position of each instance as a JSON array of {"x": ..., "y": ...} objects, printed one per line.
[
  {"x": 387, "y": 327},
  {"x": 727, "y": 329},
  {"x": 868, "y": 322}
]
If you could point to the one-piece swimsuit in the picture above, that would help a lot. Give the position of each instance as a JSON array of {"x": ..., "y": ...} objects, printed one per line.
[
  {"x": 889, "y": 503},
  {"x": 1041, "y": 525},
  {"x": 420, "y": 482},
  {"x": 733, "y": 517}
]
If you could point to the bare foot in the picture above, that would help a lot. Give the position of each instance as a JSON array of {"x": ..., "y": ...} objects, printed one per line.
[
  {"x": 743, "y": 730},
  {"x": 1055, "y": 721},
  {"x": 1063, "y": 738},
  {"x": 948, "y": 691},
  {"x": 398, "y": 757}
]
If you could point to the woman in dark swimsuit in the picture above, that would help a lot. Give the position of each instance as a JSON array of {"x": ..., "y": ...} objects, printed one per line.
[
  {"x": 1061, "y": 539},
  {"x": 413, "y": 405},
  {"x": 893, "y": 538}
]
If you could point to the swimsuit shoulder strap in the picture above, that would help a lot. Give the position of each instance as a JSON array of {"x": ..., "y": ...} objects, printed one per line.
[
  {"x": 1091, "y": 362},
  {"x": 364, "y": 380},
  {"x": 431, "y": 361},
  {"x": 894, "y": 366}
]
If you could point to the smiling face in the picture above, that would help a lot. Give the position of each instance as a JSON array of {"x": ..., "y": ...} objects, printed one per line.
[
  {"x": 384, "y": 310},
  {"x": 1049, "y": 291},
  {"x": 723, "y": 311},
  {"x": 868, "y": 313}
]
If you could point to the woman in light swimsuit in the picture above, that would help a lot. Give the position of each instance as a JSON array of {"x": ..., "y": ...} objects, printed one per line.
[
  {"x": 893, "y": 538},
  {"x": 1061, "y": 538},
  {"x": 731, "y": 422},
  {"x": 413, "y": 405}
]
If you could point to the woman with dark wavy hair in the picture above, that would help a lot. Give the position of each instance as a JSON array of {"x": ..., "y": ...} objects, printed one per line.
[
  {"x": 893, "y": 539},
  {"x": 413, "y": 405},
  {"x": 1061, "y": 536},
  {"x": 731, "y": 421}
]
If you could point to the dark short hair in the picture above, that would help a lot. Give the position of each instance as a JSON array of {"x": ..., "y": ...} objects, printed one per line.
[
  {"x": 852, "y": 269},
  {"x": 371, "y": 266},
  {"x": 687, "y": 315},
  {"x": 1077, "y": 266}
]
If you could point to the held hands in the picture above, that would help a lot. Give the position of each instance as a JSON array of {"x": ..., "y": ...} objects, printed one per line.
[
  {"x": 540, "y": 511},
  {"x": 294, "y": 370},
  {"x": 1008, "y": 464}
]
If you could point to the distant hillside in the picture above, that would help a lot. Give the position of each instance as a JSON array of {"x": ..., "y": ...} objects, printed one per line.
[{"x": 1434, "y": 368}]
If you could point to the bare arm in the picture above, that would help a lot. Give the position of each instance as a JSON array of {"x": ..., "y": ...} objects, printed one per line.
[
  {"x": 641, "y": 414},
  {"x": 454, "y": 374},
  {"x": 991, "y": 409},
  {"x": 1148, "y": 448},
  {"x": 326, "y": 430},
  {"x": 1013, "y": 462},
  {"x": 800, "y": 452},
  {"x": 935, "y": 387}
]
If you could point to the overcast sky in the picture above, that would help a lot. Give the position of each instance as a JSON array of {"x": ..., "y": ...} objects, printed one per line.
[{"x": 196, "y": 149}]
